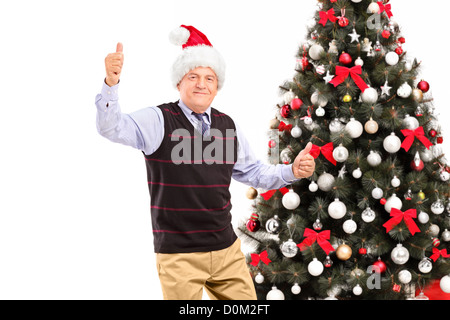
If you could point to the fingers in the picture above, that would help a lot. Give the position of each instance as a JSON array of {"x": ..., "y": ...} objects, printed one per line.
[{"x": 113, "y": 65}]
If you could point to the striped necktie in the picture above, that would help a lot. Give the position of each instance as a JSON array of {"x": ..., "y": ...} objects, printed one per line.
[{"x": 199, "y": 116}]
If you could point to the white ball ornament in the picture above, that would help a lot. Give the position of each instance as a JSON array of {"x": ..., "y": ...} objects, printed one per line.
[
  {"x": 392, "y": 143},
  {"x": 291, "y": 200},
  {"x": 337, "y": 209},
  {"x": 392, "y": 58},
  {"x": 359, "y": 62},
  {"x": 446, "y": 235},
  {"x": 357, "y": 173},
  {"x": 395, "y": 182},
  {"x": 377, "y": 193},
  {"x": 349, "y": 226},
  {"x": 296, "y": 132},
  {"x": 369, "y": 96},
  {"x": 259, "y": 278},
  {"x": 325, "y": 181},
  {"x": 404, "y": 91},
  {"x": 393, "y": 202},
  {"x": 423, "y": 217},
  {"x": 356, "y": 1},
  {"x": 275, "y": 294},
  {"x": 368, "y": 215},
  {"x": 444, "y": 176},
  {"x": 315, "y": 51},
  {"x": 405, "y": 276},
  {"x": 354, "y": 128},
  {"x": 445, "y": 284},
  {"x": 336, "y": 125},
  {"x": 410, "y": 123},
  {"x": 425, "y": 265},
  {"x": 296, "y": 289},
  {"x": 315, "y": 267},
  {"x": 374, "y": 158},
  {"x": 319, "y": 99},
  {"x": 320, "y": 112},
  {"x": 313, "y": 187},
  {"x": 426, "y": 155},
  {"x": 340, "y": 154},
  {"x": 357, "y": 290},
  {"x": 400, "y": 255},
  {"x": 433, "y": 230},
  {"x": 437, "y": 207}
]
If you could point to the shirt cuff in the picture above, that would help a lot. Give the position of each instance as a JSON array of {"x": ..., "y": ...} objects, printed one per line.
[
  {"x": 110, "y": 93},
  {"x": 287, "y": 174}
]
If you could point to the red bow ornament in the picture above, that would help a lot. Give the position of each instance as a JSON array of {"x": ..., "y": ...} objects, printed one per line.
[
  {"x": 437, "y": 253},
  {"x": 267, "y": 195},
  {"x": 398, "y": 216},
  {"x": 411, "y": 134},
  {"x": 321, "y": 238},
  {"x": 284, "y": 127},
  {"x": 326, "y": 150},
  {"x": 342, "y": 73},
  {"x": 327, "y": 15},
  {"x": 263, "y": 256},
  {"x": 385, "y": 8}
]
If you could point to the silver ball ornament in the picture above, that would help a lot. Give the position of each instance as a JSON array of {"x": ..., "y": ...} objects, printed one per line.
[
  {"x": 340, "y": 154},
  {"x": 325, "y": 181}
]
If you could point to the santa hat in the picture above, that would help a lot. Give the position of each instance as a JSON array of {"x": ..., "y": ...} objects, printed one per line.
[{"x": 197, "y": 52}]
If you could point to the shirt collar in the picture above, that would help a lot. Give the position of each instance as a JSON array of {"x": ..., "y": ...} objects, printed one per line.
[{"x": 188, "y": 112}]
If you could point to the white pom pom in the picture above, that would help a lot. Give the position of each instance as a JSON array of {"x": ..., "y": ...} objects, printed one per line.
[{"x": 179, "y": 36}]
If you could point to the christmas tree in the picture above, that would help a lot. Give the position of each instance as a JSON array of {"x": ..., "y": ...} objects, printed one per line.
[{"x": 373, "y": 221}]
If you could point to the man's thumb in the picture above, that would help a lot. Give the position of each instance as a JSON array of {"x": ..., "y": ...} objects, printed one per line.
[
  {"x": 307, "y": 149},
  {"x": 119, "y": 48}
]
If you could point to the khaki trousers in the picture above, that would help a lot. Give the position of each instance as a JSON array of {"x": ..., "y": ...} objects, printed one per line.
[{"x": 223, "y": 274}]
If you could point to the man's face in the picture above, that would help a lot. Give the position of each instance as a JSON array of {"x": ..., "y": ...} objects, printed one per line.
[{"x": 198, "y": 89}]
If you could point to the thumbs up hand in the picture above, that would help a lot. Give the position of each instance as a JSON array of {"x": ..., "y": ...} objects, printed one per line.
[
  {"x": 304, "y": 165},
  {"x": 113, "y": 66}
]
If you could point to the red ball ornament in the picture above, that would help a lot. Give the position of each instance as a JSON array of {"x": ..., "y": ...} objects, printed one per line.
[
  {"x": 383, "y": 201},
  {"x": 401, "y": 40},
  {"x": 423, "y": 86},
  {"x": 417, "y": 167},
  {"x": 285, "y": 111},
  {"x": 345, "y": 58},
  {"x": 386, "y": 34},
  {"x": 399, "y": 50},
  {"x": 440, "y": 140},
  {"x": 396, "y": 287},
  {"x": 432, "y": 133},
  {"x": 343, "y": 21},
  {"x": 296, "y": 104},
  {"x": 253, "y": 223},
  {"x": 362, "y": 251},
  {"x": 436, "y": 242},
  {"x": 380, "y": 266}
]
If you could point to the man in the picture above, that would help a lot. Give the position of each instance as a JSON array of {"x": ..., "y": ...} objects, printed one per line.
[{"x": 192, "y": 151}]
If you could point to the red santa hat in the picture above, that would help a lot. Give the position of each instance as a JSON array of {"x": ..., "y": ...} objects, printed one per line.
[{"x": 197, "y": 52}]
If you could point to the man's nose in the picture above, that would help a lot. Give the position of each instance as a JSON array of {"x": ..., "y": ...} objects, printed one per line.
[{"x": 201, "y": 83}]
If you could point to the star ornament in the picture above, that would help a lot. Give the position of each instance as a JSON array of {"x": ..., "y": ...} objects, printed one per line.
[
  {"x": 386, "y": 90},
  {"x": 354, "y": 36},
  {"x": 328, "y": 77}
]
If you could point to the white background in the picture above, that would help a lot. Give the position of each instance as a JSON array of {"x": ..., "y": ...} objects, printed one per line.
[{"x": 74, "y": 207}]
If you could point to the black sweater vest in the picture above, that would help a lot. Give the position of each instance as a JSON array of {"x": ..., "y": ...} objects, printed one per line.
[{"x": 188, "y": 179}]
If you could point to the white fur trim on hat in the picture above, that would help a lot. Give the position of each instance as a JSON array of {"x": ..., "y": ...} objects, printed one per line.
[{"x": 198, "y": 56}]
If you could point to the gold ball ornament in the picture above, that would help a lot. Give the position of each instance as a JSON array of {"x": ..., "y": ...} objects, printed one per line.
[
  {"x": 371, "y": 126},
  {"x": 421, "y": 195},
  {"x": 344, "y": 252},
  {"x": 274, "y": 123},
  {"x": 251, "y": 193},
  {"x": 347, "y": 98},
  {"x": 417, "y": 95}
]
